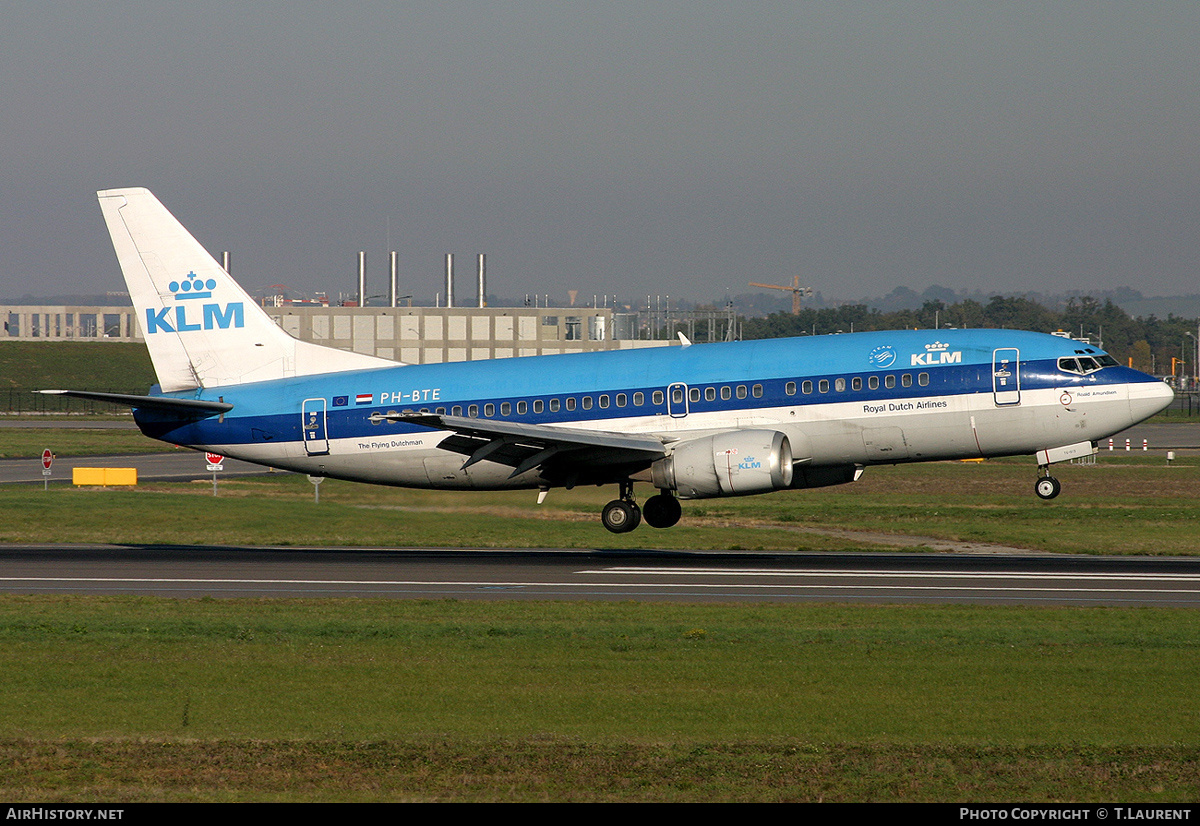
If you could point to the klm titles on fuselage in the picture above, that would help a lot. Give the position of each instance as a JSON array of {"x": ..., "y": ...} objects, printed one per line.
[
  {"x": 212, "y": 316},
  {"x": 936, "y": 353}
]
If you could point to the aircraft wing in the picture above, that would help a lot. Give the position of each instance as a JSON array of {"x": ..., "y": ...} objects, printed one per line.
[{"x": 559, "y": 451}]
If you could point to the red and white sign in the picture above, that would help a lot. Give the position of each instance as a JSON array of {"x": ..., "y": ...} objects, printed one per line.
[
  {"x": 47, "y": 458},
  {"x": 214, "y": 458}
]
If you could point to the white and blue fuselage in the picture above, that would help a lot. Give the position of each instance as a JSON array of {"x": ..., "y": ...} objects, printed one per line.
[{"x": 858, "y": 399}]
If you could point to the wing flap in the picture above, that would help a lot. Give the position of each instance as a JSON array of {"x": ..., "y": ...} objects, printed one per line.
[{"x": 524, "y": 446}]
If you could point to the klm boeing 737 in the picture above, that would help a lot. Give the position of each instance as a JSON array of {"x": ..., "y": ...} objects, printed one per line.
[{"x": 696, "y": 422}]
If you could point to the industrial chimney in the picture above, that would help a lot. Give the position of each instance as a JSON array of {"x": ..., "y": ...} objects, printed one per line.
[
  {"x": 362, "y": 279},
  {"x": 482, "y": 281}
]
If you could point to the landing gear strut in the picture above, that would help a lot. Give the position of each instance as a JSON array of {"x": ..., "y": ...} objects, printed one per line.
[
  {"x": 622, "y": 515},
  {"x": 1047, "y": 487}
]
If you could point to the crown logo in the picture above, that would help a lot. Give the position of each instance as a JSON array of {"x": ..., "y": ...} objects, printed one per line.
[
  {"x": 937, "y": 347},
  {"x": 192, "y": 287}
]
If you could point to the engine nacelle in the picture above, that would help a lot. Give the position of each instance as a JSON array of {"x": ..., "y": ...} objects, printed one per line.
[{"x": 737, "y": 463}]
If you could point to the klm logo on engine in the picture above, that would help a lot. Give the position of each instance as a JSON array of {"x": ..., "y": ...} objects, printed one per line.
[
  {"x": 936, "y": 353},
  {"x": 749, "y": 463},
  {"x": 188, "y": 317}
]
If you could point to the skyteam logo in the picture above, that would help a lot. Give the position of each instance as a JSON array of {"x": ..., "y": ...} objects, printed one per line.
[
  {"x": 175, "y": 319},
  {"x": 936, "y": 353},
  {"x": 882, "y": 356}
]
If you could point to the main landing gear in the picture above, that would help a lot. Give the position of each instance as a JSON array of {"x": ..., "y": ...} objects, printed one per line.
[
  {"x": 1047, "y": 487},
  {"x": 623, "y": 515}
]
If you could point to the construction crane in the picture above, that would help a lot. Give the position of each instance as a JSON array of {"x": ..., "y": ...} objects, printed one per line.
[{"x": 796, "y": 290}]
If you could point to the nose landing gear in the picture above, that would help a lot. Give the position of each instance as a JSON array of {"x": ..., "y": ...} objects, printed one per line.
[{"x": 1047, "y": 487}]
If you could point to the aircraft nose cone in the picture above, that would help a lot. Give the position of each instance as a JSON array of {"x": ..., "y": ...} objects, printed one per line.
[{"x": 1148, "y": 398}]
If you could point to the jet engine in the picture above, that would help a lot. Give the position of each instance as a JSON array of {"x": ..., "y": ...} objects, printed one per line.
[{"x": 737, "y": 463}]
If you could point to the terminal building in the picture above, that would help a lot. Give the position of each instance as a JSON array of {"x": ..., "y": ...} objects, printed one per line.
[{"x": 411, "y": 335}]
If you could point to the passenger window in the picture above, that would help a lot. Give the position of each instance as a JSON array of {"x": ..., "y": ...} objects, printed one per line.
[
  {"x": 622, "y": 399},
  {"x": 839, "y": 385},
  {"x": 923, "y": 379},
  {"x": 889, "y": 382},
  {"x": 726, "y": 393},
  {"x": 456, "y": 410},
  {"x": 473, "y": 411},
  {"x": 710, "y": 394},
  {"x": 694, "y": 394},
  {"x": 873, "y": 382},
  {"x": 571, "y": 403},
  {"x": 677, "y": 395},
  {"x": 554, "y": 405},
  {"x": 522, "y": 408},
  {"x": 489, "y": 410},
  {"x": 657, "y": 397},
  {"x": 538, "y": 406},
  {"x": 906, "y": 380},
  {"x": 856, "y": 383},
  {"x": 823, "y": 385},
  {"x": 505, "y": 409},
  {"x": 604, "y": 402},
  {"x": 587, "y": 402},
  {"x": 639, "y": 399},
  {"x": 790, "y": 388},
  {"x": 756, "y": 391},
  {"x": 741, "y": 391},
  {"x": 806, "y": 388}
]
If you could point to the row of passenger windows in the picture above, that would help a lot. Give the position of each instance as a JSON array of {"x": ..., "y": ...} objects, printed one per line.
[
  {"x": 856, "y": 383},
  {"x": 657, "y": 397}
]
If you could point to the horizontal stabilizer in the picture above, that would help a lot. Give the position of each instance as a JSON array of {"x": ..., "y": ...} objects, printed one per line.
[{"x": 146, "y": 402}]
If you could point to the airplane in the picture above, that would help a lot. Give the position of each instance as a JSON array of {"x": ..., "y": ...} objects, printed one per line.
[{"x": 694, "y": 421}]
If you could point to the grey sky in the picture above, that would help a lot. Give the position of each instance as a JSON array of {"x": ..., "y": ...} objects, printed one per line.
[{"x": 610, "y": 147}]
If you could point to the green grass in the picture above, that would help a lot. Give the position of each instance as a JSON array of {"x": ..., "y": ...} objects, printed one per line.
[
  {"x": 1123, "y": 505},
  {"x": 67, "y": 442},
  {"x": 26, "y": 366},
  {"x": 140, "y": 698},
  {"x": 135, "y": 699}
]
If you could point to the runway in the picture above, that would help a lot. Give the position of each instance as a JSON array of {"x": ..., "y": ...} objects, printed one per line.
[{"x": 572, "y": 575}]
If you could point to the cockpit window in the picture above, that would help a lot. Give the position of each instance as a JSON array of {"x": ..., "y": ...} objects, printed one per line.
[{"x": 1085, "y": 364}]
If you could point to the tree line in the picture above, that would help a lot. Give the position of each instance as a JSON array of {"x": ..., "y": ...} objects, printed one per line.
[{"x": 1155, "y": 345}]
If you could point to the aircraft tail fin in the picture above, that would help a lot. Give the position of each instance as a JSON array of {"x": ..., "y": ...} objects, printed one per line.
[{"x": 201, "y": 327}]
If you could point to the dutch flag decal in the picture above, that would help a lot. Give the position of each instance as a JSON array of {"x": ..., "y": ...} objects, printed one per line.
[{"x": 362, "y": 398}]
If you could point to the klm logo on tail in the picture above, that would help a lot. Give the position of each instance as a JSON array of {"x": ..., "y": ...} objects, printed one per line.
[{"x": 211, "y": 316}]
